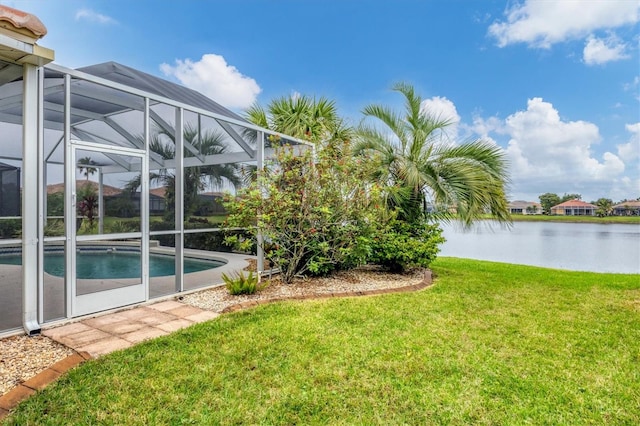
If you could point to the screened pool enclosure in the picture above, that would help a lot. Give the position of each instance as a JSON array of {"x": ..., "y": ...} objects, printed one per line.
[{"x": 108, "y": 162}]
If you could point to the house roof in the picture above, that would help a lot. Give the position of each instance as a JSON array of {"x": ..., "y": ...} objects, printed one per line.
[
  {"x": 131, "y": 77},
  {"x": 624, "y": 204},
  {"x": 107, "y": 190},
  {"x": 21, "y": 22},
  {"x": 522, "y": 204},
  {"x": 575, "y": 203},
  {"x": 159, "y": 192}
]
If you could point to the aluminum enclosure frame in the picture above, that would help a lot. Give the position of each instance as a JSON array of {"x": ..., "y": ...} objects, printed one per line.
[{"x": 37, "y": 92}]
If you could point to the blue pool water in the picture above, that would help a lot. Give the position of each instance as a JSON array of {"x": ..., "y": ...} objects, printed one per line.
[{"x": 115, "y": 265}]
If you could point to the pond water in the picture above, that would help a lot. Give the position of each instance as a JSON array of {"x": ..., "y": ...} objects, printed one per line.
[{"x": 573, "y": 246}]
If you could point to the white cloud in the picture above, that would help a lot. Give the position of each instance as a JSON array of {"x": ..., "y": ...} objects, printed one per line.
[
  {"x": 549, "y": 154},
  {"x": 94, "y": 17},
  {"x": 544, "y": 23},
  {"x": 630, "y": 152},
  {"x": 632, "y": 85},
  {"x": 484, "y": 126},
  {"x": 213, "y": 77},
  {"x": 442, "y": 109},
  {"x": 599, "y": 51}
]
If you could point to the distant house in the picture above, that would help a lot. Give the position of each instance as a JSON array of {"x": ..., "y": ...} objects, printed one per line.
[
  {"x": 107, "y": 190},
  {"x": 574, "y": 208},
  {"x": 117, "y": 202},
  {"x": 127, "y": 204},
  {"x": 210, "y": 204},
  {"x": 627, "y": 208},
  {"x": 524, "y": 207},
  {"x": 157, "y": 200}
]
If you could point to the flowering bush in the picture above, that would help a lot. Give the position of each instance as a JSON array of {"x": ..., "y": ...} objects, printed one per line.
[{"x": 316, "y": 214}]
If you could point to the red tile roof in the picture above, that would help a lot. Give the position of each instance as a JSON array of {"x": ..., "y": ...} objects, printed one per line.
[
  {"x": 159, "y": 192},
  {"x": 15, "y": 19},
  {"x": 107, "y": 190},
  {"x": 628, "y": 204},
  {"x": 575, "y": 203}
]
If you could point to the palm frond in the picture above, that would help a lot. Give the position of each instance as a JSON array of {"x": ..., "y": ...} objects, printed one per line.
[{"x": 470, "y": 178}]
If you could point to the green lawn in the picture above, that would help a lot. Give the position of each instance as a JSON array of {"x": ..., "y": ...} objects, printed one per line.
[{"x": 488, "y": 344}]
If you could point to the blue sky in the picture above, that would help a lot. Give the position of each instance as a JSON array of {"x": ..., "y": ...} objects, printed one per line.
[{"x": 555, "y": 83}]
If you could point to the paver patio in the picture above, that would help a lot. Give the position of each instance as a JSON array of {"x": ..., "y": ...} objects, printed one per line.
[{"x": 106, "y": 333}]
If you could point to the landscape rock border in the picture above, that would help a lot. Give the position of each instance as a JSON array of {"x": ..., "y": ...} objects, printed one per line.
[
  {"x": 24, "y": 390},
  {"x": 426, "y": 282}
]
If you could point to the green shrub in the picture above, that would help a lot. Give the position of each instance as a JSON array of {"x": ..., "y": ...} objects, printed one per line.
[
  {"x": 54, "y": 228},
  {"x": 319, "y": 215},
  {"x": 243, "y": 284},
  {"x": 120, "y": 206},
  {"x": 400, "y": 245},
  {"x": 10, "y": 228},
  {"x": 124, "y": 226}
]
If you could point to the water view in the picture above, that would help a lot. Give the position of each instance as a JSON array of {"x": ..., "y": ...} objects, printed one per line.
[{"x": 572, "y": 246}]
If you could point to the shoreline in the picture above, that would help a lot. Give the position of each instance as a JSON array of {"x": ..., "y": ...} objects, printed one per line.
[{"x": 609, "y": 220}]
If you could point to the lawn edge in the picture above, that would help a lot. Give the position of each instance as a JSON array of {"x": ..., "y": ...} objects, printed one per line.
[{"x": 24, "y": 390}]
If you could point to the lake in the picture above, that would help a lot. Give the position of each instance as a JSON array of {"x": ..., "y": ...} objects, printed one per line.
[{"x": 573, "y": 246}]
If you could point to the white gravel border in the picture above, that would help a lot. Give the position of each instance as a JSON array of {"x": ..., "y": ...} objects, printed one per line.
[
  {"x": 361, "y": 279},
  {"x": 22, "y": 357}
]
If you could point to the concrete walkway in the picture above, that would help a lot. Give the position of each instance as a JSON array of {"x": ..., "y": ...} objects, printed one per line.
[{"x": 106, "y": 333}]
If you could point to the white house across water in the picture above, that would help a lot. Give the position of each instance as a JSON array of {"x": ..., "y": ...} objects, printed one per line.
[{"x": 83, "y": 155}]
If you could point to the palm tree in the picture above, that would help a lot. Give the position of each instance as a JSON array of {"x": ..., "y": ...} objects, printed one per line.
[
  {"x": 302, "y": 117},
  {"x": 605, "y": 207},
  {"x": 85, "y": 165},
  {"x": 196, "y": 178},
  {"x": 416, "y": 166}
]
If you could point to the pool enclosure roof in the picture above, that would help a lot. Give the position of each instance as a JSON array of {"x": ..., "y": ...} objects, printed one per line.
[
  {"x": 130, "y": 77},
  {"x": 107, "y": 105}
]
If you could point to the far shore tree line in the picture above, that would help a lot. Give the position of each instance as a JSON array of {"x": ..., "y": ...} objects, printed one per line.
[{"x": 604, "y": 205}]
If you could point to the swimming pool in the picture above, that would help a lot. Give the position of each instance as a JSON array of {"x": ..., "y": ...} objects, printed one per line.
[{"x": 115, "y": 264}]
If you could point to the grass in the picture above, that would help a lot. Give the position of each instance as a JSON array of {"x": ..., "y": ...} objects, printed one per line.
[
  {"x": 490, "y": 343},
  {"x": 575, "y": 219},
  {"x": 108, "y": 220}
]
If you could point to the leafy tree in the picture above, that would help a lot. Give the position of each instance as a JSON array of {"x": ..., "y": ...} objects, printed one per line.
[
  {"x": 416, "y": 165},
  {"x": 569, "y": 197},
  {"x": 605, "y": 207},
  {"x": 55, "y": 204},
  {"x": 340, "y": 237},
  {"x": 549, "y": 200},
  {"x": 195, "y": 179},
  {"x": 303, "y": 117}
]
